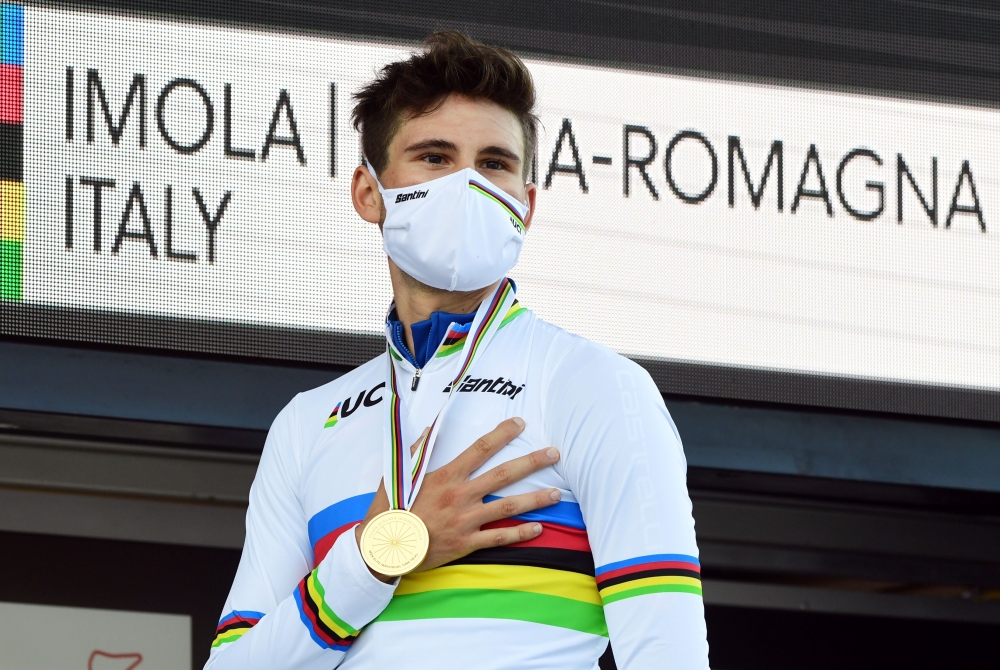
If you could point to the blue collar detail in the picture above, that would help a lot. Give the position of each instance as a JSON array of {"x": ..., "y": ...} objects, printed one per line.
[{"x": 427, "y": 334}]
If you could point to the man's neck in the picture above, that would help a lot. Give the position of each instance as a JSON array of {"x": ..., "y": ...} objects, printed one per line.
[{"x": 416, "y": 301}]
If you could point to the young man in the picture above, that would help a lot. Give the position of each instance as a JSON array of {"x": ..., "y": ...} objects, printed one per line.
[{"x": 567, "y": 524}]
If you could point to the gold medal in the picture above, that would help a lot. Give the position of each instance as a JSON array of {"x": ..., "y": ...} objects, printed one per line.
[{"x": 394, "y": 542}]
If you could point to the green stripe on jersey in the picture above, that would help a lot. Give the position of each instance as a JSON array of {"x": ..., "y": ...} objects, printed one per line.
[
  {"x": 512, "y": 315},
  {"x": 450, "y": 349},
  {"x": 655, "y": 588},
  {"x": 219, "y": 641},
  {"x": 498, "y": 604}
]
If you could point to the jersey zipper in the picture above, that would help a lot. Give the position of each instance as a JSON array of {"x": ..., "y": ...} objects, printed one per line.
[{"x": 416, "y": 373}]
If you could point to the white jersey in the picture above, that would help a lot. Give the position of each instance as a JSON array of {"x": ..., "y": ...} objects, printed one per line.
[{"x": 617, "y": 556}]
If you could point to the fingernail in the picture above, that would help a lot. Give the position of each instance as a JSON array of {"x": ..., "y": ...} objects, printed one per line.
[
  {"x": 518, "y": 421},
  {"x": 555, "y": 494},
  {"x": 537, "y": 528},
  {"x": 552, "y": 454}
]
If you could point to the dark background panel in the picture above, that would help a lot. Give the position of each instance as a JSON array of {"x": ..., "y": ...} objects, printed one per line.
[
  {"x": 228, "y": 403},
  {"x": 926, "y": 48},
  {"x": 143, "y": 335},
  {"x": 751, "y": 639}
]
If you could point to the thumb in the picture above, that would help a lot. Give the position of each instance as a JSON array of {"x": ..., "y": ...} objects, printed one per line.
[{"x": 423, "y": 436}]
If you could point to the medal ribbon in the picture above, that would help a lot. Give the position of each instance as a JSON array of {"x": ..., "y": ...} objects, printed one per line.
[{"x": 403, "y": 482}]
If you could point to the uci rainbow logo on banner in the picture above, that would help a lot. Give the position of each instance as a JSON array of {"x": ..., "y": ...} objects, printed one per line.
[{"x": 11, "y": 139}]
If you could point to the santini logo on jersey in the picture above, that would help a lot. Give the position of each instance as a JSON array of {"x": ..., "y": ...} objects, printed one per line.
[
  {"x": 345, "y": 408},
  {"x": 499, "y": 386},
  {"x": 403, "y": 197}
]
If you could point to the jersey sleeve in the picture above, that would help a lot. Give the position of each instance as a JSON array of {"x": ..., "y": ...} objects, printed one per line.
[
  {"x": 282, "y": 611},
  {"x": 623, "y": 460}
]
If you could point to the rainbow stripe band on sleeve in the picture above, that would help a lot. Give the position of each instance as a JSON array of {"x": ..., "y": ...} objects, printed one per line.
[
  {"x": 234, "y": 625},
  {"x": 656, "y": 573},
  {"x": 327, "y": 629}
]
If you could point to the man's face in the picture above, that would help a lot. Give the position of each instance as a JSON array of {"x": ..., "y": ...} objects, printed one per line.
[{"x": 460, "y": 133}]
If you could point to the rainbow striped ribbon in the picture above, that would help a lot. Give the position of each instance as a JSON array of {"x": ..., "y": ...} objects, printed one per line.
[{"x": 402, "y": 489}]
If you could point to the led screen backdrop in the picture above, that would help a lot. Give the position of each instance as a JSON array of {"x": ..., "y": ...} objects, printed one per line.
[{"x": 197, "y": 174}]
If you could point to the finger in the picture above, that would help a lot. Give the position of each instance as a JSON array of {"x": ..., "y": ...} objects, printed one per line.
[
  {"x": 473, "y": 458},
  {"x": 498, "y": 537},
  {"x": 423, "y": 436},
  {"x": 509, "y": 506},
  {"x": 513, "y": 470}
]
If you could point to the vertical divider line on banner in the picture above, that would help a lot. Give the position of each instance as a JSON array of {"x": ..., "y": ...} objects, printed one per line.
[{"x": 12, "y": 196}]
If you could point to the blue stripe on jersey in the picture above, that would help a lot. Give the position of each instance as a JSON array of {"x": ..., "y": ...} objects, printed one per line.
[
  {"x": 309, "y": 624},
  {"x": 337, "y": 514},
  {"x": 564, "y": 513},
  {"x": 652, "y": 558}
]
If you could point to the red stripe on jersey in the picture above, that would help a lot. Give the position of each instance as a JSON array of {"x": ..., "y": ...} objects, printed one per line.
[
  {"x": 325, "y": 543},
  {"x": 233, "y": 619},
  {"x": 642, "y": 567},
  {"x": 554, "y": 536},
  {"x": 306, "y": 600}
]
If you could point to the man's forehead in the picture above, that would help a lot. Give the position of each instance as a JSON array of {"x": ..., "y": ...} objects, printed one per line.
[{"x": 461, "y": 124}]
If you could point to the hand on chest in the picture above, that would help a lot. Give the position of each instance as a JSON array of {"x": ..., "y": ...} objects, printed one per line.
[{"x": 482, "y": 400}]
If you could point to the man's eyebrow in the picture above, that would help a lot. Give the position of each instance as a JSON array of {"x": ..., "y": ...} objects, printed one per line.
[
  {"x": 441, "y": 145},
  {"x": 501, "y": 152}
]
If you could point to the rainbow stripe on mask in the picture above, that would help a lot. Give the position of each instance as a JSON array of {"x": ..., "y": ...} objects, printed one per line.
[{"x": 500, "y": 200}]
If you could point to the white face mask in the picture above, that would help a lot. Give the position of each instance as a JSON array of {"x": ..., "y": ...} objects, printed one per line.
[{"x": 457, "y": 233}]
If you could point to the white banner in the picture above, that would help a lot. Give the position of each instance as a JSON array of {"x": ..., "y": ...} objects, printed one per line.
[
  {"x": 196, "y": 171},
  {"x": 46, "y": 637}
]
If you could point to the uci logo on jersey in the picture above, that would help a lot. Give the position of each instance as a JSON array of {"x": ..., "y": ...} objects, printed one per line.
[
  {"x": 403, "y": 197},
  {"x": 344, "y": 408}
]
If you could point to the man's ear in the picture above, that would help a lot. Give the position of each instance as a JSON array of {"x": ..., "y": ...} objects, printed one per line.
[
  {"x": 365, "y": 195},
  {"x": 530, "y": 192}
]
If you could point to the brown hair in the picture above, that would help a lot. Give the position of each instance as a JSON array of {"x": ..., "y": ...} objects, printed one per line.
[{"x": 450, "y": 63}]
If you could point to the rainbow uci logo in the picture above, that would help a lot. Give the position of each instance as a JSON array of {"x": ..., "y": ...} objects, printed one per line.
[{"x": 332, "y": 421}]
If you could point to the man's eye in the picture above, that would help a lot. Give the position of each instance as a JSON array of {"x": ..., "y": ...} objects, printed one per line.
[
  {"x": 493, "y": 165},
  {"x": 436, "y": 159}
]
